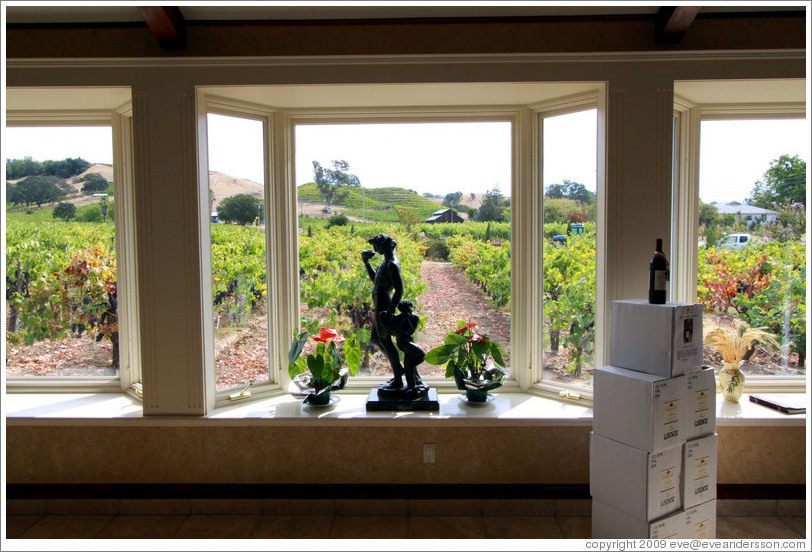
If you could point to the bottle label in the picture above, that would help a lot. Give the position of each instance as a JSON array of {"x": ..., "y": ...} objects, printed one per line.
[{"x": 660, "y": 280}]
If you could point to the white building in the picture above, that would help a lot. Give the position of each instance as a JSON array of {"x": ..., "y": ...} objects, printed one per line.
[{"x": 746, "y": 213}]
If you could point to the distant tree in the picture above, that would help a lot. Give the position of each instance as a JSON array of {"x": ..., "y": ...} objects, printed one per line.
[
  {"x": 19, "y": 168},
  {"x": 785, "y": 180},
  {"x": 241, "y": 208},
  {"x": 39, "y": 190},
  {"x": 65, "y": 168},
  {"x": 408, "y": 218},
  {"x": 570, "y": 190},
  {"x": 557, "y": 209},
  {"x": 93, "y": 182},
  {"x": 708, "y": 214},
  {"x": 473, "y": 196},
  {"x": 332, "y": 183},
  {"x": 554, "y": 191},
  {"x": 578, "y": 192},
  {"x": 789, "y": 224},
  {"x": 65, "y": 211},
  {"x": 472, "y": 213},
  {"x": 492, "y": 206},
  {"x": 452, "y": 199}
]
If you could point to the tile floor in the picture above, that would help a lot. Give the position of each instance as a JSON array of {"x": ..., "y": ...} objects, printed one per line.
[{"x": 335, "y": 520}]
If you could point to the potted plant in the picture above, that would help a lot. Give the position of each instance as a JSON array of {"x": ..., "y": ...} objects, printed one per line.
[
  {"x": 734, "y": 343},
  {"x": 317, "y": 374},
  {"x": 473, "y": 360}
]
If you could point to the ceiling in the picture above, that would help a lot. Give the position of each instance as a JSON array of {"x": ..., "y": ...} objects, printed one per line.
[{"x": 61, "y": 14}]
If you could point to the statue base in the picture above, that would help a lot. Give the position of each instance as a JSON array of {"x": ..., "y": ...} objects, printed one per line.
[{"x": 427, "y": 402}]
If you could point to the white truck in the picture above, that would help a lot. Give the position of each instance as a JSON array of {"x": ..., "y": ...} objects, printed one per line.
[{"x": 734, "y": 241}]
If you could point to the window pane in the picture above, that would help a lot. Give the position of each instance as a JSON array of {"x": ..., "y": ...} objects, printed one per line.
[
  {"x": 441, "y": 190},
  {"x": 239, "y": 274},
  {"x": 752, "y": 248},
  {"x": 61, "y": 283},
  {"x": 570, "y": 168}
]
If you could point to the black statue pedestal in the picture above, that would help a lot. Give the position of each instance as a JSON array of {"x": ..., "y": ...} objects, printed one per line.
[{"x": 428, "y": 402}]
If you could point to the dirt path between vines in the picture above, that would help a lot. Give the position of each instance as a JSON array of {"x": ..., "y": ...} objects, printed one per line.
[{"x": 449, "y": 297}]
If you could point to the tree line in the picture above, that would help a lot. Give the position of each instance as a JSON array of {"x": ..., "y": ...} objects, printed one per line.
[{"x": 46, "y": 181}]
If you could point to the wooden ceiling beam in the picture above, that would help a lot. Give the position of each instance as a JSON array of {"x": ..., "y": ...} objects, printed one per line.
[
  {"x": 673, "y": 22},
  {"x": 167, "y": 25}
]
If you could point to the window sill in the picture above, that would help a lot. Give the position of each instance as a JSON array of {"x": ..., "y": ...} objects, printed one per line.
[{"x": 508, "y": 409}]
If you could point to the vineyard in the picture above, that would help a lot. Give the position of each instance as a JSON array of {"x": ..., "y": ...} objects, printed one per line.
[{"x": 66, "y": 282}]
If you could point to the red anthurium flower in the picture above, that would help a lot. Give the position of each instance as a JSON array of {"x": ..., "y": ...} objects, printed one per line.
[
  {"x": 328, "y": 334},
  {"x": 466, "y": 327},
  {"x": 477, "y": 337}
]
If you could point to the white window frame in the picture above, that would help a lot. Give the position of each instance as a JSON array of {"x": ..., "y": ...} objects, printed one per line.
[
  {"x": 210, "y": 104},
  {"x": 526, "y": 224},
  {"x": 543, "y": 110},
  {"x": 129, "y": 378},
  {"x": 689, "y": 116}
]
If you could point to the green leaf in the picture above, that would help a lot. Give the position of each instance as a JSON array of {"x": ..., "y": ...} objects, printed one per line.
[
  {"x": 459, "y": 376},
  {"x": 481, "y": 348},
  {"x": 439, "y": 355},
  {"x": 316, "y": 366},
  {"x": 497, "y": 352},
  {"x": 297, "y": 346},
  {"x": 297, "y": 367},
  {"x": 352, "y": 354},
  {"x": 454, "y": 338}
]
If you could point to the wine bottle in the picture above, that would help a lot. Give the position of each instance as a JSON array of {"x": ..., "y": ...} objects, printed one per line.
[{"x": 658, "y": 275}]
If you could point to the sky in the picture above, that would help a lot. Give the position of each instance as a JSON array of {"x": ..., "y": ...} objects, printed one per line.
[
  {"x": 733, "y": 155},
  {"x": 444, "y": 158}
]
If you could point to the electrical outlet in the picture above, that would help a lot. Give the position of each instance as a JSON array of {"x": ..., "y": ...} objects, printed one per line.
[{"x": 428, "y": 453}]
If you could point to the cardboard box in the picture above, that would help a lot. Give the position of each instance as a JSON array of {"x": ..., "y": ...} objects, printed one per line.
[
  {"x": 610, "y": 523},
  {"x": 699, "y": 465},
  {"x": 700, "y": 392},
  {"x": 644, "y": 485},
  {"x": 665, "y": 340},
  {"x": 638, "y": 409},
  {"x": 700, "y": 521}
]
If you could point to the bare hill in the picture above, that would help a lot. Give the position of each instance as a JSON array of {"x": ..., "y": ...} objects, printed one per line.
[
  {"x": 224, "y": 185},
  {"x": 475, "y": 202},
  {"x": 104, "y": 170}
]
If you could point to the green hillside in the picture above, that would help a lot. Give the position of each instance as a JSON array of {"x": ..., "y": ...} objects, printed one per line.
[{"x": 377, "y": 199}]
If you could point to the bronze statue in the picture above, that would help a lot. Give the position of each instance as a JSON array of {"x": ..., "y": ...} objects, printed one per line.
[
  {"x": 403, "y": 326},
  {"x": 387, "y": 290}
]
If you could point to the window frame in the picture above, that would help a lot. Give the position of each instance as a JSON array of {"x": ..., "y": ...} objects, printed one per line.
[
  {"x": 688, "y": 119},
  {"x": 218, "y": 105},
  {"x": 552, "y": 108},
  {"x": 526, "y": 222},
  {"x": 129, "y": 378}
]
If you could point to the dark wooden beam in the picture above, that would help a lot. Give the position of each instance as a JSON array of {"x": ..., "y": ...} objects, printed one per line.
[
  {"x": 167, "y": 25},
  {"x": 673, "y": 22}
]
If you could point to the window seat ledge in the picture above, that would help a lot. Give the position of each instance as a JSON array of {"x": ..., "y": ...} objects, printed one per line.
[{"x": 507, "y": 409}]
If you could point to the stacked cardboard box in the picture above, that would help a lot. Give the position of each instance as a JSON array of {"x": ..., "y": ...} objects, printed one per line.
[{"x": 653, "y": 450}]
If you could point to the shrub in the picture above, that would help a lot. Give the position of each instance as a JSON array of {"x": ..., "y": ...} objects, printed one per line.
[
  {"x": 65, "y": 211},
  {"x": 93, "y": 182},
  {"x": 437, "y": 250},
  {"x": 90, "y": 213},
  {"x": 339, "y": 219}
]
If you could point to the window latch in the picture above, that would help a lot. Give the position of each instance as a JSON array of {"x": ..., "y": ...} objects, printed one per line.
[
  {"x": 570, "y": 395},
  {"x": 244, "y": 393}
]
